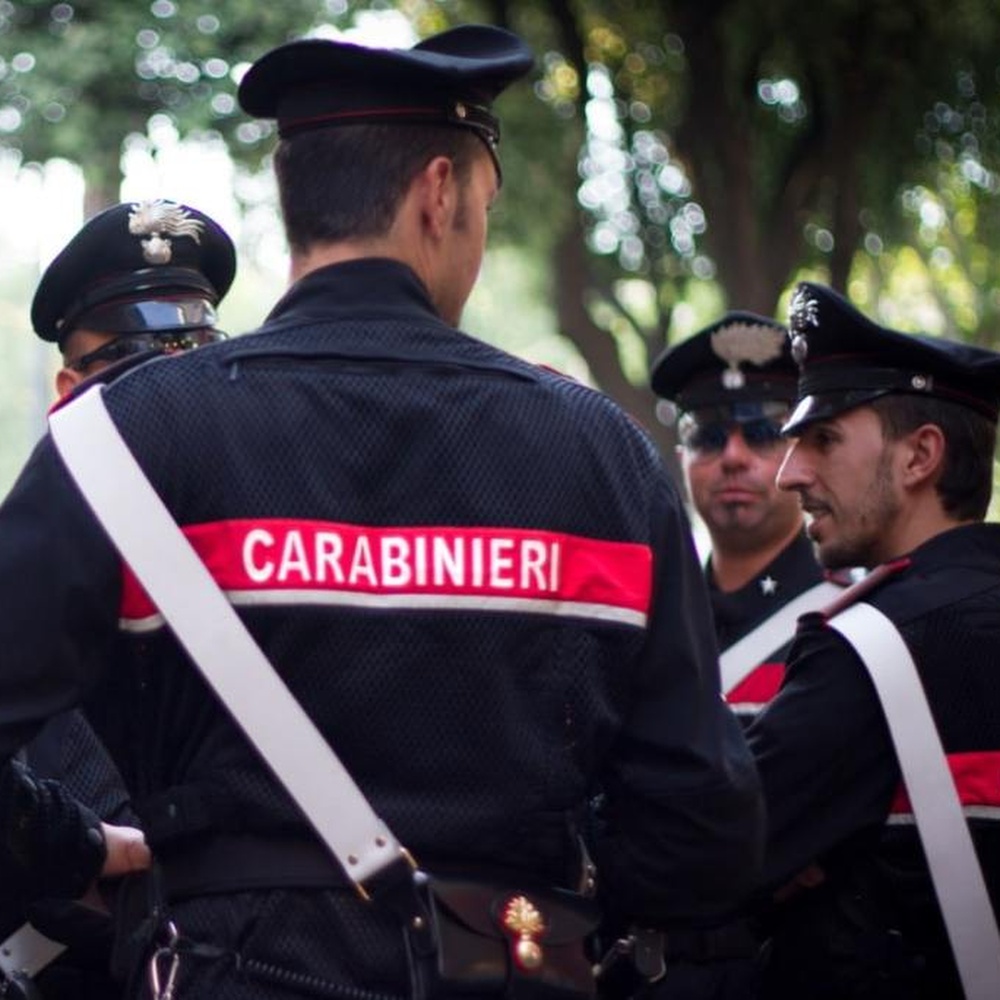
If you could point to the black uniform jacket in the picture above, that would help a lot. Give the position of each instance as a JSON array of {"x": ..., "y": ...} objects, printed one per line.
[
  {"x": 737, "y": 613},
  {"x": 54, "y": 796},
  {"x": 475, "y": 575},
  {"x": 830, "y": 775}
]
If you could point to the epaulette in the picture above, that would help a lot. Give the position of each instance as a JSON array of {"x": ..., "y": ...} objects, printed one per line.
[
  {"x": 864, "y": 586},
  {"x": 844, "y": 577}
]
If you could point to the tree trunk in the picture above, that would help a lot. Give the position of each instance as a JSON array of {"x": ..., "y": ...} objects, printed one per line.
[
  {"x": 716, "y": 143},
  {"x": 102, "y": 182},
  {"x": 573, "y": 289}
]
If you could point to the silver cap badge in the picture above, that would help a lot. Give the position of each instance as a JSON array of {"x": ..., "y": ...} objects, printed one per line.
[
  {"x": 801, "y": 315},
  {"x": 739, "y": 343},
  {"x": 158, "y": 219}
]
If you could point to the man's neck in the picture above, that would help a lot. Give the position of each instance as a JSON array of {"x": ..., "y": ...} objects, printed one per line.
[
  {"x": 734, "y": 569},
  {"x": 320, "y": 255}
]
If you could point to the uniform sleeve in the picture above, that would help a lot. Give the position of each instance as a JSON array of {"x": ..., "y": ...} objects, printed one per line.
[
  {"x": 60, "y": 585},
  {"x": 683, "y": 824},
  {"x": 824, "y": 755},
  {"x": 68, "y": 749}
]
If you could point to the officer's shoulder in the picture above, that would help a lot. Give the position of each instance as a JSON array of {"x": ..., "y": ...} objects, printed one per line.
[
  {"x": 861, "y": 588},
  {"x": 574, "y": 388},
  {"x": 106, "y": 377},
  {"x": 592, "y": 408},
  {"x": 164, "y": 384}
]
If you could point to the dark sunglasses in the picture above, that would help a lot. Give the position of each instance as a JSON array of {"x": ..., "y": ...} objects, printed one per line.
[
  {"x": 760, "y": 435},
  {"x": 161, "y": 342},
  {"x": 706, "y": 431}
]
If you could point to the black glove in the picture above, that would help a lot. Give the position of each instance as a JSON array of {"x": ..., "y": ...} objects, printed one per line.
[{"x": 51, "y": 845}]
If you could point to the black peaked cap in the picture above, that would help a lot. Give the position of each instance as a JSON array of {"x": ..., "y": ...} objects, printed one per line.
[
  {"x": 131, "y": 251},
  {"x": 742, "y": 357},
  {"x": 846, "y": 360},
  {"x": 449, "y": 78}
]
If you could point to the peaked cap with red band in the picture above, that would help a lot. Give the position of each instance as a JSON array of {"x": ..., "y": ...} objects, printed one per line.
[
  {"x": 137, "y": 266},
  {"x": 447, "y": 79},
  {"x": 846, "y": 360},
  {"x": 742, "y": 357}
]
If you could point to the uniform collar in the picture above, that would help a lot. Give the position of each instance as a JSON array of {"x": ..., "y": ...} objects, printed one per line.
[
  {"x": 369, "y": 287},
  {"x": 783, "y": 576},
  {"x": 793, "y": 571},
  {"x": 367, "y": 309}
]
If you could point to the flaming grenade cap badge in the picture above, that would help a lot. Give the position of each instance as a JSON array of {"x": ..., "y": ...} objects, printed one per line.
[
  {"x": 739, "y": 343},
  {"x": 801, "y": 315},
  {"x": 158, "y": 219}
]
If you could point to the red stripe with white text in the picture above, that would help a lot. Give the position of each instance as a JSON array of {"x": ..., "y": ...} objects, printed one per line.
[
  {"x": 299, "y": 562},
  {"x": 977, "y": 779}
]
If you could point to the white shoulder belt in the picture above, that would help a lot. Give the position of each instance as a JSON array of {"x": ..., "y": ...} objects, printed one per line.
[
  {"x": 204, "y": 622},
  {"x": 951, "y": 858},
  {"x": 738, "y": 661}
]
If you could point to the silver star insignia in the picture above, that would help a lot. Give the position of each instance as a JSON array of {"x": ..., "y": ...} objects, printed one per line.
[{"x": 769, "y": 586}]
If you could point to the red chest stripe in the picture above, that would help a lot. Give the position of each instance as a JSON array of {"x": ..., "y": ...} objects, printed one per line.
[
  {"x": 758, "y": 687},
  {"x": 977, "y": 778},
  {"x": 289, "y": 562}
]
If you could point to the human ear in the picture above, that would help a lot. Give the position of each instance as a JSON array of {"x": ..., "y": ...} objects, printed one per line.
[
  {"x": 925, "y": 454},
  {"x": 438, "y": 194},
  {"x": 66, "y": 381}
]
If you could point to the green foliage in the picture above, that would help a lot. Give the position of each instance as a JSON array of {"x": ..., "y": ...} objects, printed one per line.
[
  {"x": 741, "y": 142},
  {"x": 77, "y": 78},
  {"x": 713, "y": 151}
]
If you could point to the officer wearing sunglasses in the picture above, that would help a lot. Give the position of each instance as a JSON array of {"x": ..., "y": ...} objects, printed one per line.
[
  {"x": 139, "y": 279},
  {"x": 729, "y": 389}
]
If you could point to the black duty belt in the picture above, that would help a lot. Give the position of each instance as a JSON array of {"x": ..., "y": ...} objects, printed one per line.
[{"x": 246, "y": 862}]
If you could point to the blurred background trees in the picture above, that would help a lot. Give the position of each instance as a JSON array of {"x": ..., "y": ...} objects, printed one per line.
[{"x": 666, "y": 162}]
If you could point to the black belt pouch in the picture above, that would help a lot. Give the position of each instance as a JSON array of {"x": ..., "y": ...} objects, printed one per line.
[{"x": 501, "y": 940}]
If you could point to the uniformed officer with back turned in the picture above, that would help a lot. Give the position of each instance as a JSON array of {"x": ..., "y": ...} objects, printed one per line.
[{"x": 474, "y": 574}]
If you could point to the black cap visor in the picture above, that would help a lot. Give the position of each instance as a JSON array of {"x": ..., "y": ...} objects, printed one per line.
[
  {"x": 143, "y": 315},
  {"x": 824, "y": 406}
]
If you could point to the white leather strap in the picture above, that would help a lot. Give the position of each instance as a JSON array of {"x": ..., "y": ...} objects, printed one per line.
[
  {"x": 951, "y": 857},
  {"x": 738, "y": 661},
  {"x": 28, "y": 951},
  {"x": 204, "y": 622}
]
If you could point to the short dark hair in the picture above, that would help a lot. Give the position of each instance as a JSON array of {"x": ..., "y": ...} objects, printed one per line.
[
  {"x": 966, "y": 481},
  {"x": 348, "y": 182}
]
